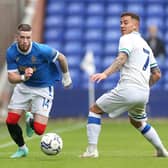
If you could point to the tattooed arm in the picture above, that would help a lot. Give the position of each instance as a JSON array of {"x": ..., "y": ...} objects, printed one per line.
[{"x": 114, "y": 67}]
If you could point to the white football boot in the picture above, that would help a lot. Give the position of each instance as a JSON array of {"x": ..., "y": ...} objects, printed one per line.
[
  {"x": 90, "y": 154},
  {"x": 162, "y": 153}
]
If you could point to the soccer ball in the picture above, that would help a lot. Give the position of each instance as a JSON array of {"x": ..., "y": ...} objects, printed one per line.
[{"x": 51, "y": 144}]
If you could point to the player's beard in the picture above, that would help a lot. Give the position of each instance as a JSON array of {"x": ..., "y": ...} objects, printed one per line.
[{"x": 24, "y": 47}]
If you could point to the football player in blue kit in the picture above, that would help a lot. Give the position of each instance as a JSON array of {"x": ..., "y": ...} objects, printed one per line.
[{"x": 33, "y": 68}]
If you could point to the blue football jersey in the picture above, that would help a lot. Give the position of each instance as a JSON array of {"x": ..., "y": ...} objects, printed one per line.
[{"x": 40, "y": 57}]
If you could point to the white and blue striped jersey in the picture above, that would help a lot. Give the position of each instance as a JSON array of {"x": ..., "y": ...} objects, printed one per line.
[
  {"x": 40, "y": 57},
  {"x": 137, "y": 69}
]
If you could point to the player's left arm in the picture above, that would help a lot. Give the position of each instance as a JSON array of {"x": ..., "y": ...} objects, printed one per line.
[
  {"x": 54, "y": 56},
  {"x": 66, "y": 78},
  {"x": 155, "y": 75},
  {"x": 14, "y": 76}
]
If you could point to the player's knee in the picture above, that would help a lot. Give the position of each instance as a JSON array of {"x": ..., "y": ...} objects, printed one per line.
[
  {"x": 39, "y": 128},
  {"x": 12, "y": 118},
  {"x": 136, "y": 124},
  {"x": 96, "y": 109}
]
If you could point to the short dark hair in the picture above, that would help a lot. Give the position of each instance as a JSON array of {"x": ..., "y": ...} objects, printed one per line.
[
  {"x": 24, "y": 27},
  {"x": 133, "y": 15}
]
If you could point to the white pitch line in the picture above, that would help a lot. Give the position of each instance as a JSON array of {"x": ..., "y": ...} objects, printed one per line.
[{"x": 59, "y": 130}]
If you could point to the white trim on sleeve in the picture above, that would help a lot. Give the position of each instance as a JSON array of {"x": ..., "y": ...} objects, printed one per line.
[{"x": 56, "y": 56}]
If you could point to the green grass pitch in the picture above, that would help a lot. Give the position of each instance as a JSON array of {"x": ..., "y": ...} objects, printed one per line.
[{"x": 120, "y": 146}]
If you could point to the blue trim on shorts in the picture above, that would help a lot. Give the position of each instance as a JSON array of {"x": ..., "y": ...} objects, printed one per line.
[
  {"x": 50, "y": 90},
  {"x": 146, "y": 129},
  {"x": 94, "y": 120}
]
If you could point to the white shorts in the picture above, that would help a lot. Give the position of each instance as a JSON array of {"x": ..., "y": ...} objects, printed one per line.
[
  {"x": 38, "y": 100},
  {"x": 125, "y": 99}
]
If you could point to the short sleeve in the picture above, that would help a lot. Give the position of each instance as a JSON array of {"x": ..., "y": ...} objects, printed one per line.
[
  {"x": 153, "y": 62},
  {"x": 125, "y": 44},
  {"x": 11, "y": 63},
  {"x": 49, "y": 53}
]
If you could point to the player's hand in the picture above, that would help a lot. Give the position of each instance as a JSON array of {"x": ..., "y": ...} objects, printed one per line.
[
  {"x": 28, "y": 73},
  {"x": 66, "y": 80},
  {"x": 98, "y": 77}
]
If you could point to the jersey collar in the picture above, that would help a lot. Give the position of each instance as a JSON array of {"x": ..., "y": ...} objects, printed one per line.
[
  {"x": 24, "y": 53},
  {"x": 135, "y": 32}
]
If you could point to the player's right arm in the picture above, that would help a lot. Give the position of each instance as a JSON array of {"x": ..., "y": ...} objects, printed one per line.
[
  {"x": 15, "y": 77},
  {"x": 114, "y": 67},
  {"x": 13, "y": 73},
  {"x": 155, "y": 73}
]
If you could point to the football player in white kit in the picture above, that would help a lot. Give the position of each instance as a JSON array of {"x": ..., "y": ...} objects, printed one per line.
[{"x": 138, "y": 71}]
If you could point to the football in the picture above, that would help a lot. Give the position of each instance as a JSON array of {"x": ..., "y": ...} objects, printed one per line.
[{"x": 51, "y": 144}]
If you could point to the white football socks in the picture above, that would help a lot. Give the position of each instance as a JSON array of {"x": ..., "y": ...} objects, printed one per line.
[
  {"x": 151, "y": 135},
  {"x": 93, "y": 130}
]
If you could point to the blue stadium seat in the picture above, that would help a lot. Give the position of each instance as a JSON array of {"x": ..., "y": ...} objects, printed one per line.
[
  {"x": 73, "y": 48},
  {"x": 55, "y": 44},
  {"x": 155, "y": 9},
  {"x": 74, "y": 21},
  {"x": 75, "y": 75},
  {"x": 112, "y": 35},
  {"x": 96, "y": 47},
  {"x": 153, "y": 1},
  {"x": 137, "y": 8},
  {"x": 94, "y": 22},
  {"x": 166, "y": 76},
  {"x": 76, "y": 8},
  {"x": 114, "y": 9},
  {"x": 166, "y": 87},
  {"x": 73, "y": 34},
  {"x": 53, "y": 34},
  {"x": 98, "y": 62},
  {"x": 166, "y": 37},
  {"x": 112, "y": 22},
  {"x": 58, "y": 7},
  {"x": 166, "y": 10},
  {"x": 84, "y": 81},
  {"x": 95, "y": 9},
  {"x": 110, "y": 49},
  {"x": 73, "y": 60},
  {"x": 158, "y": 86},
  {"x": 51, "y": 21},
  {"x": 166, "y": 47},
  {"x": 93, "y": 34},
  {"x": 166, "y": 23},
  {"x": 131, "y": 1}
]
